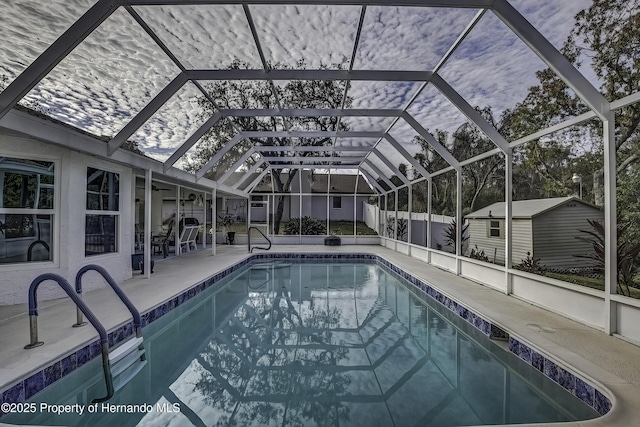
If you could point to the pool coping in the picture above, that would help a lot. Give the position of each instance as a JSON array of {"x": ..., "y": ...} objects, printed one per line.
[{"x": 585, "y": 388}]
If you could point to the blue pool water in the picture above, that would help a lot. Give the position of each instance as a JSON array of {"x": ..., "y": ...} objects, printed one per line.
[{"x": 326, "y": 344}]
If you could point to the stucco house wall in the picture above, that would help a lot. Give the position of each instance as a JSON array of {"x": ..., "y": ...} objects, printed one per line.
[{"x": 68, "y": 237}]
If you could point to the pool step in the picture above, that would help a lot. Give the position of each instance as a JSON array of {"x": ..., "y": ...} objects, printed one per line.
[{"x": 126, "y": 361}]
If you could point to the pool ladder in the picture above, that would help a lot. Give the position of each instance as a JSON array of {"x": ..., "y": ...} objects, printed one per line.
[
  {"x": 249, "y": 239},
  {"x": 120, "y": 365}
]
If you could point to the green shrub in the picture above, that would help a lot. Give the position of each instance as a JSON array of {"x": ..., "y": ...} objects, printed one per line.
[
  {"x": 310, "y": 226},
  {"x": 403, "y": 226},
  {"x": 478, "y": 254},
  {"x": 531, "y": 265},
  {"x": 627, "y": 253},
  {"x": 451, "y": 234}
]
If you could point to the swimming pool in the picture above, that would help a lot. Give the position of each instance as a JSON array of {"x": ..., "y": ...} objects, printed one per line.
[{"x": 317, "y": 343}]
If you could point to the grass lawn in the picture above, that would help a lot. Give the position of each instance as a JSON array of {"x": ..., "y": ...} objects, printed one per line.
[
  {"x": 589, "y": 282},
  {"x": 340, "y": 228},
  {"x": 345, "y": 228}
]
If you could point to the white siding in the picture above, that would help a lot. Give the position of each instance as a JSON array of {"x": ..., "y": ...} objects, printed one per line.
[
  {"x": 522, "y": 240},
  {"x": 494, "y": 247},
  {"x": 314, "y": 206},
  {"x": 555, "y": 234}
]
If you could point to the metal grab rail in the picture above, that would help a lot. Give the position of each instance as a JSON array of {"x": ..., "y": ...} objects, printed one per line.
[
  {"x": 33, "y": 324},
  {"x": 249, "y": 239},
  {"x": 137, "y": 320},
  {"x": 33, "y": 245},
  {"x": 37, "y": 242},
  {"x": 267, "y": 280}
]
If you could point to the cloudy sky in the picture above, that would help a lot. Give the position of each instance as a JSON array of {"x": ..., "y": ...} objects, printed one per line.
[{"x": 118, "y": 69}]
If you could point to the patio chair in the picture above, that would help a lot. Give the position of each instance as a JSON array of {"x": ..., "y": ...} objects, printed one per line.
[
  {"x": 161, "y": 242},
  {"x": 188, "y": 237}
]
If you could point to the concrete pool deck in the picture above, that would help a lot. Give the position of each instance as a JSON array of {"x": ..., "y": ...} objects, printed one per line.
[{"x": 608, "y": 361}]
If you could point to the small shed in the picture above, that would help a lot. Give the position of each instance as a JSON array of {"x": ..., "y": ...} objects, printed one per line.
[{"x": 547, "y": 228}]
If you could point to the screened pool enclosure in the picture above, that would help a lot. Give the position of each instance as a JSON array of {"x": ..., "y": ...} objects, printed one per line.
[{"x": 379, "y": 121}]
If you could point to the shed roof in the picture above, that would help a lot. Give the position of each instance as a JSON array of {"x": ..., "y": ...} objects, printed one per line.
[{"x": 523, "y": 209}]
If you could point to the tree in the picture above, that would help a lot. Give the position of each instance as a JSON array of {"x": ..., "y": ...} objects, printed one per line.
[
  {"x": 402, "y": 225},
  {"x": 627, "y": 253},
  {"x": 541, "y": 170},
  {"x": 443, "y": 200},
  {"x": 403, "y": 193},
  {"x": 628, "y": 197},
  {"x": 482, "y": 180},
  {"x": 608, "y": 32},
  {"x": 451, "y": 236},
  {"x": 259, "y": 94}
]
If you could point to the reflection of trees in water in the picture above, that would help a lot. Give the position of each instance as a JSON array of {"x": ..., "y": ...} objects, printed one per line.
[{"x": 276, "y": 361}]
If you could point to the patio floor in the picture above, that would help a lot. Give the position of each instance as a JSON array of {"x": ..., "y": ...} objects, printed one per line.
[{"x": 607, "y": 360}]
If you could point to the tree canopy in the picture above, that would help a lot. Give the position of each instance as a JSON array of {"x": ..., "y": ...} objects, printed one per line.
[
  {"x": 483, "y": 180},
  {"x": 608, "y": 34},
  {"x": 262, "y": 94}
]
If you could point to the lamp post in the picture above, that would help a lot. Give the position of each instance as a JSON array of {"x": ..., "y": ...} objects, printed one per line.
[{"x": 577, "y": 179}]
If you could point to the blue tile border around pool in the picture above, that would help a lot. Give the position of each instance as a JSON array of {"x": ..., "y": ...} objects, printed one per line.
[
  {"x": 566, "y": 379},
  {"x": 36, "y": 382}
]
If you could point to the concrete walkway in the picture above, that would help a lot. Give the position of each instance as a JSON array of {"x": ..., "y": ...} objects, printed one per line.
[{"x": 605, "y": 360}]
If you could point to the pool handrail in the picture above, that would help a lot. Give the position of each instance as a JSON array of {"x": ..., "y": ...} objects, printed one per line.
[
  {"x": 137, "y": 319},
  {"x": 267, "y": 280},
  {"x": 102, "y": 332},
  {"x": 249, "y": 239},
  {"x": 33, "y": 245}
]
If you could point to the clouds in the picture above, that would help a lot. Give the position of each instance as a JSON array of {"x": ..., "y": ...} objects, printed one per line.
[
  {"x": 492, "y": 66},
  {"x": 28, "y": 29},
  {"x": 408, "y": 38},
  {"x": 315, "y": 33},
  {"x": 373, "y": 94},
  {"x": 107, "y": 79},
  {"x": 118, "y": 69},
  {"x": 203, "y": 37},
  {"x": 554, "y": 19},
  {"x": 166, "y": 130}
]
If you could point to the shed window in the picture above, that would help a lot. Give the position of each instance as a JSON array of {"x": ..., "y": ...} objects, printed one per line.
[
  {"x": 495, "y": 228},
  {"x": 337, "y": 202}
]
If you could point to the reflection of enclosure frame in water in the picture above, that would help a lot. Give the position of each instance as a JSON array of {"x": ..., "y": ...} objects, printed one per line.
[{"x": 291, "y": 333}]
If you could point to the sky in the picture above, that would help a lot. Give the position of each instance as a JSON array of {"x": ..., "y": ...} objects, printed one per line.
[{"x": 118, "y": 69}]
